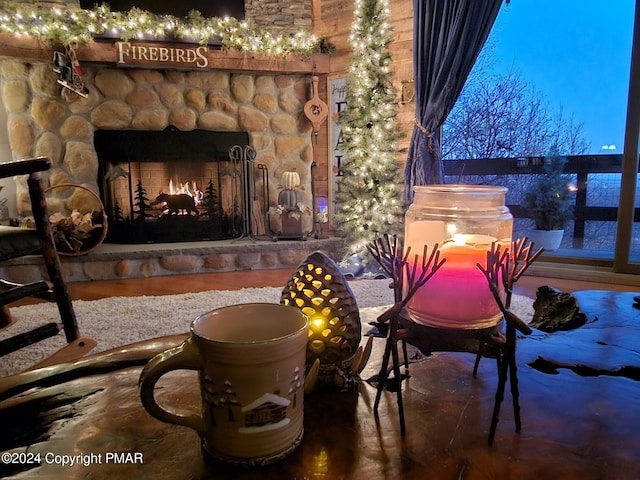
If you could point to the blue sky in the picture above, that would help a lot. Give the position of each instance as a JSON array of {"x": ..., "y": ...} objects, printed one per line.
[{"x": 576, "y": 54}]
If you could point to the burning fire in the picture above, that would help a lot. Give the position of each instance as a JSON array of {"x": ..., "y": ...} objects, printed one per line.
[
  {"x": 183, "y": 200},
  {"x": 184, "y": 188}
]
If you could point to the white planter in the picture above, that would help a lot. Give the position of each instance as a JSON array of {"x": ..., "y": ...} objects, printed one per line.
[{"x": 547, "y": 239}]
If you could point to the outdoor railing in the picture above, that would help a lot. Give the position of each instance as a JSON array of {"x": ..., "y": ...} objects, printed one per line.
[{"x": 591, "y": 204}]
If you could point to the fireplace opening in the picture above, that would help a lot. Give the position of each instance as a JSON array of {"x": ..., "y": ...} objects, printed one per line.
[{"x": 171, "y": 185}]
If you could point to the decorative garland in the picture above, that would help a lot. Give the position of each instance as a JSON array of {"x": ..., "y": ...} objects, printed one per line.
[{"x": 76, "y": 27}]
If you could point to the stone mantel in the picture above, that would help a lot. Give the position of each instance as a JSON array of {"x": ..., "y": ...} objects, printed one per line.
[{"x": 104, "y": 51}]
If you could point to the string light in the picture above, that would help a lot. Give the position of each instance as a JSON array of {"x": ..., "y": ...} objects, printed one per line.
[
  {"x": 370, "y": 174},
  {"x": 82, "y": 26}
]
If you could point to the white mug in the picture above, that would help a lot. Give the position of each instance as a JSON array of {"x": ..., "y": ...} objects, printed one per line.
[{"x": 251, "y": 362}]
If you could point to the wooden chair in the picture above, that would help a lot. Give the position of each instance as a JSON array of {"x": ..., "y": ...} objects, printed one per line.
[{"x": 17, "y": 242}]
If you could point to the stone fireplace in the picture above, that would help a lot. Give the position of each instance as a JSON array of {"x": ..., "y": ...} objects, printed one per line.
[
  {"x": 260, "y": 97},
  {"x": 45, "y": 119}
]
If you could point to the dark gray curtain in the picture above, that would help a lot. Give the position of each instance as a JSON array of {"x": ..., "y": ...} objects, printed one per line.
[{"x": 448, "y": 36}]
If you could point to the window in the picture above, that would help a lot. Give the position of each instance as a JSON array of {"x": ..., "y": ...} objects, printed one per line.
[{"x": 553, "y": 79}]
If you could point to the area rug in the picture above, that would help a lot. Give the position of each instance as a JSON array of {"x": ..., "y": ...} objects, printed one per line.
[{"x": 118, "y": 321}]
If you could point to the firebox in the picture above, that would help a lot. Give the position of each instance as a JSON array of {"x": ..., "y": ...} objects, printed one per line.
[{"x": 170, "y": 185}]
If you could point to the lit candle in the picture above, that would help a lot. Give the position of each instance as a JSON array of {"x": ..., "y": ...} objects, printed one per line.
[
  {"x": 458, "y": 295},
  {"x": 463, "y": 220}
]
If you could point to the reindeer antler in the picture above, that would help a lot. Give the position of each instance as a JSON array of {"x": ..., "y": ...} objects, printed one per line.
[
  {"x": 385, "y": 251},
  {"x": 507, "y": 267},
  {"x": 427, "y": 270},
  {"x": 521, "y": 250},
  {"x": 388, "y": 253}
]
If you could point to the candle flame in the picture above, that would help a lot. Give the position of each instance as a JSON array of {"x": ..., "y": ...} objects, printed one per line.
[
  {"x": 474, "y": 240},
  {"x": 460, "y": 239}
]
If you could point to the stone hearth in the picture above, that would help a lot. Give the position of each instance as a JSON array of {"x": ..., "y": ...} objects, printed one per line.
[{"x": 111, "y": 261}]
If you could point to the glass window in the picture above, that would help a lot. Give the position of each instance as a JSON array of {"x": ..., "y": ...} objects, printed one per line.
[{"x": 552, "y": 80}]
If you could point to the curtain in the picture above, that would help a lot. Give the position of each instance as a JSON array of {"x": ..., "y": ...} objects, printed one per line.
[{"x": 448, "y": 36}]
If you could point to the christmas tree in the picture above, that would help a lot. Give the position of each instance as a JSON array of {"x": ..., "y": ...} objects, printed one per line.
[
  {"x": 369, "y": 200},
  {"x": 142, "y": 202},
  {"x": 210, "y": 201},
  {"x": 117, "y": 216}
]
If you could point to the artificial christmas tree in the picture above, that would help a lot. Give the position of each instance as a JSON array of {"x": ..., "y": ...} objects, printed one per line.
[{"x": 369, "y": 201}]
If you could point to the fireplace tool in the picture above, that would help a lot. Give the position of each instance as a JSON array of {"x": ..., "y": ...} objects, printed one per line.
[{"x": 244, "y": 156}]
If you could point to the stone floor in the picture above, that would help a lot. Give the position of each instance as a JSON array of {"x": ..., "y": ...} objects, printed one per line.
[{"x": 114, "y": 261}]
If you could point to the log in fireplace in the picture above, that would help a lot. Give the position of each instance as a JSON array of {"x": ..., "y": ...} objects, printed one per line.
[{"x": 171, "y": 185}]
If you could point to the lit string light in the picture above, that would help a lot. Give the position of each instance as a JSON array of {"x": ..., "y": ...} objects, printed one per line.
[
  {"x": 82, "y": 26},
  {"x": 369, "y": 184}
]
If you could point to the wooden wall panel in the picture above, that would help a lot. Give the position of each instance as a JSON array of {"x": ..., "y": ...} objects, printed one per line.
[{"x": 333, "y": 19}]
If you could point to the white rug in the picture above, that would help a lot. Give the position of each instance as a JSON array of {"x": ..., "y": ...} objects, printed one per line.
[{"x": 118, "y": 321}]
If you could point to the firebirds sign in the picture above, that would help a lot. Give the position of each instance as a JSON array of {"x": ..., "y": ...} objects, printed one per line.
[{"x": 152, "y": 55}]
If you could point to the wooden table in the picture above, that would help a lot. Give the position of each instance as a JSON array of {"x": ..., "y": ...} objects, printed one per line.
[
  {"x": 608, "y": 342},
  {"x": 573, "y": 426}
]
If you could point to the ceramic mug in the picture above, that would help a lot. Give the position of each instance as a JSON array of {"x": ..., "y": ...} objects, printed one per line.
[{"x": 251, "y": 362}]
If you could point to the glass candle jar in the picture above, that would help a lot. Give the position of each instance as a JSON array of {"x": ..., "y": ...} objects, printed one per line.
[{"x": 464, "y": 220}]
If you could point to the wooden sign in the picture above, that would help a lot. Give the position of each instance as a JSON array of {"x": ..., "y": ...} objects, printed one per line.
[{"x": 130, "y": 54}]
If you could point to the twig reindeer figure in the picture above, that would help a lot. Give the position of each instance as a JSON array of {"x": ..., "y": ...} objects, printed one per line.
[
  {"x": 504, "y": 268},
  {"x": 388, "y": 253}
]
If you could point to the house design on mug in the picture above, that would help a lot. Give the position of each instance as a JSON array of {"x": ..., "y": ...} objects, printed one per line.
[{"x": 269, "y": 412}]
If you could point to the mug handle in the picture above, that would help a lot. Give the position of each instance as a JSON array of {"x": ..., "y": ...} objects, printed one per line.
[{"x": 185, "y": 356}]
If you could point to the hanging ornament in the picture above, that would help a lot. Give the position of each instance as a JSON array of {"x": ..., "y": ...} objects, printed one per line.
[
  {"x": 67, "y": 65},
  {"x": 315, "y": 109},
  {"x": 369, "y": 125}
]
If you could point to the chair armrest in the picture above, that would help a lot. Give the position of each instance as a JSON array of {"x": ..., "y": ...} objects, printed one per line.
[{"x": 24, "y": 167}]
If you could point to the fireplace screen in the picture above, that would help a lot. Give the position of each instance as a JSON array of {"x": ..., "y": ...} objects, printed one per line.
[{"x": 170, "y": 186}]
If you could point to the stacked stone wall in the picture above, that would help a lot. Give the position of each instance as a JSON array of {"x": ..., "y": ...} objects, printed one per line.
[{"x": 280, "y": 16}]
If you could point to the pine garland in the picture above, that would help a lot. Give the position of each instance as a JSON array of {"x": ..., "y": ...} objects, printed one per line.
[
  {"x": 369, "y": 198},
  {"x": 81, "y": 26}
]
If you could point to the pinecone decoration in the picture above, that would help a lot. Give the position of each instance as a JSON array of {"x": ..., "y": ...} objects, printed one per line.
[{"x": 319, "y": 289}]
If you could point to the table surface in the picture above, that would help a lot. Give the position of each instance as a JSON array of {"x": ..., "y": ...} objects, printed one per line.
[
  {"x": 91, "y": 413},
  {"x": 608, "y": 341}
]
